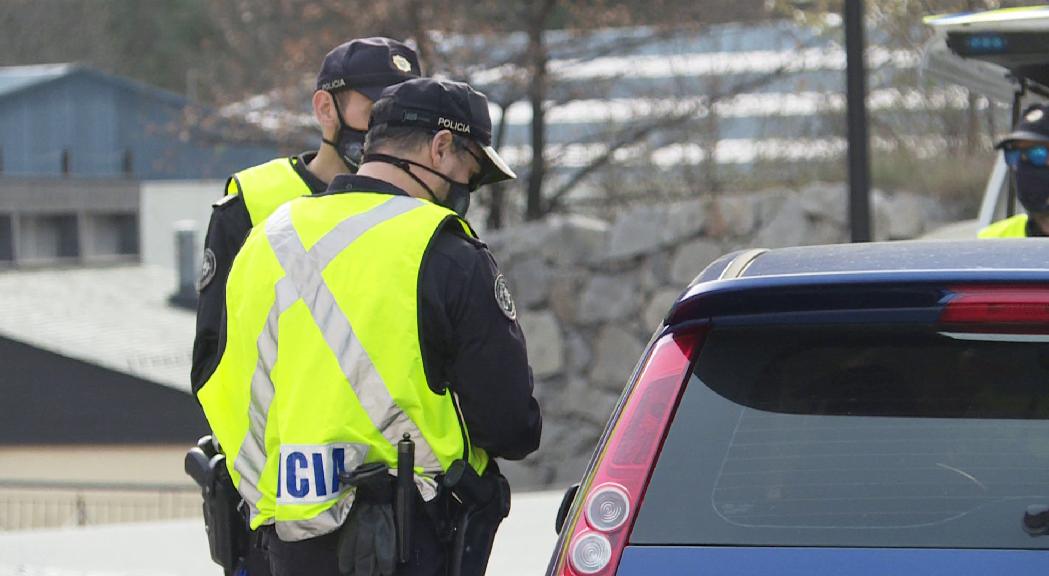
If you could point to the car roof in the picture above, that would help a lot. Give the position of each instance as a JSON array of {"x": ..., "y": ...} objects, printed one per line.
[
  {"x": 895, "y": 263},
  {"x": 989, "y": 256}
]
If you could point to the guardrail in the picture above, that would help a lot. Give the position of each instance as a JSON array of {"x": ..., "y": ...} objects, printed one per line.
[{"x": 32, "y": 504}]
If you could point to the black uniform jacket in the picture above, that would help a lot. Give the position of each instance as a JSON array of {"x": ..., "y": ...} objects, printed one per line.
[{"x": 470, "y": 345}]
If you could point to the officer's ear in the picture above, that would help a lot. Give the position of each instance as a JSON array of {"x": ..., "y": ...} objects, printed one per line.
[
  {"x": 441, "y": 149},
  {"x": 326, "y": 112}
]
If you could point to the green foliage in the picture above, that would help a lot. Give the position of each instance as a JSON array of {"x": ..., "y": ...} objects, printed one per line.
[
  {"x": 162, "y": 40},
  {"x": 155, "y": 41},
  {"x": 957, "y": 181}
]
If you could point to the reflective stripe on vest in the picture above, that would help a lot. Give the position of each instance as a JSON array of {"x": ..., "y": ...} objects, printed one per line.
[
  {"x": 1014, "y": 227},
  {"x": 266, "y": 186},
  {"x": 347, "y": 380}
]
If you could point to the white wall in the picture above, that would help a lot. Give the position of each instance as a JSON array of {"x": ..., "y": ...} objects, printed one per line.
[{"x": 165, "y": 203}]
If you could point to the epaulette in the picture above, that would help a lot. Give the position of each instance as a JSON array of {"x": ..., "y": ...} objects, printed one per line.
[
  {"x": 224, "y": 200},
  {"x": 454, "y": 226}
]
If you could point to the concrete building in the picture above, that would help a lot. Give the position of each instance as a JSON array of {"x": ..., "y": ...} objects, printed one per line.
[
  {"x": 166, "y": 205},
  {"x": 54, "y": 221}
]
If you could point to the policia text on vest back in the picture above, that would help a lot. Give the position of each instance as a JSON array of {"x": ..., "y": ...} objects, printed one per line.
[{"x": 347, "y": 380}]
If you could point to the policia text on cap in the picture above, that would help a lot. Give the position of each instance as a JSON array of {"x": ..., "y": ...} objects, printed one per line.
[{"x": 368, "y": 327}]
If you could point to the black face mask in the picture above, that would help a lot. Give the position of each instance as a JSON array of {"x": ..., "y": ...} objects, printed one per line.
[
  {"x": 1032, "y": 187},
  {"x": 349, "y": 142},
  {"x": 458, "y": 199}
]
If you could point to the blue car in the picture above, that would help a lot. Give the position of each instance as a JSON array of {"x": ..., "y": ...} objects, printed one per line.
[{"x": 850, "y": 410}]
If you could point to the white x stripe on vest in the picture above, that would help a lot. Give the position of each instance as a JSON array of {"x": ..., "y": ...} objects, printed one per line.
[{"x": 303, "y": 280}]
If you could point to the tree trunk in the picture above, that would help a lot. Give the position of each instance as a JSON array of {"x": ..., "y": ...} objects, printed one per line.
[
  {"x": 495, "y": 205},
  {"x": 972, "y": 133},
  {"x": 537, "y": 59},
  {"x": 418, "y": 20}
]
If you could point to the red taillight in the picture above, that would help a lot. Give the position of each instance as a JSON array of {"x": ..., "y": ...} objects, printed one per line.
[
  {"x": 613, "y": 493},
  {"x": 1006, "y": 308}
]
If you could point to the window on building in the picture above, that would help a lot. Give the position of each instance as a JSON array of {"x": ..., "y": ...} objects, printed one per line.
[
  {"x": 48, "y": 237},
  {"x": 7, "y": 241},
  {"x": 111, "y": 235}
]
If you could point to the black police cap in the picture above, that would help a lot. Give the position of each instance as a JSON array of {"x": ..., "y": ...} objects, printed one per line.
[
  {"x": 436, "y": 105},
  {"x": 367, "y": 65},
  {"x": 1033, "y": 126}
]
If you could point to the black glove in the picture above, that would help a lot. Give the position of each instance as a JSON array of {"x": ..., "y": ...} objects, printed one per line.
[{"x": 368, "y": 540}]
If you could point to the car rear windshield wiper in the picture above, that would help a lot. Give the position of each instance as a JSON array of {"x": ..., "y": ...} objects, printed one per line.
[{"x": 1036, "y": 520}]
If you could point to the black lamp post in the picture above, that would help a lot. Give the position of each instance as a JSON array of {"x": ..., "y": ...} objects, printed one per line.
[{"x": 858, "y": 138}]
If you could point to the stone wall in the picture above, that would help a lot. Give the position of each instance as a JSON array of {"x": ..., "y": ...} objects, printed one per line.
[{"x": 590, "y": 293}]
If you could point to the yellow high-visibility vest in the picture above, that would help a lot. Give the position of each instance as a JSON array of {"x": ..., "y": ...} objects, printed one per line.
[
  {"x": 1014, "y": 227},
  {"x": 322, "y": 369},
  {"x": 267, "y": 186}
]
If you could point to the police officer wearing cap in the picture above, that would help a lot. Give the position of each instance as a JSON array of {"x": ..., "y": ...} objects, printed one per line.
[
  {"x": 360, "y": 319},
  {"x": 350, "y": 79},
  {"x": 1026, "y": 151}
]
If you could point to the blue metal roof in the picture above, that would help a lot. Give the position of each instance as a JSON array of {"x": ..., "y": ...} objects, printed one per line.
[
  {"x": 15, "y": 78},
  {"x": 69, "y": 119}
]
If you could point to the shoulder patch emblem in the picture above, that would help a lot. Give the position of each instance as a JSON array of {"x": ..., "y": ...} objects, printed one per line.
[
  {"x": 207, "y": 270},
  {"x": 504, "y": 299}
]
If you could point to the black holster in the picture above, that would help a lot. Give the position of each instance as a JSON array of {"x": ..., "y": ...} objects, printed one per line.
[
  {"x": 226, "y": 528},
  {"x": 485, "y": 502},
  {"x": 368, "y": 540}
]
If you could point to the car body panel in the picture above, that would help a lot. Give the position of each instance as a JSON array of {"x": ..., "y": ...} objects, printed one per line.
[{"x": 755, "y": 561}]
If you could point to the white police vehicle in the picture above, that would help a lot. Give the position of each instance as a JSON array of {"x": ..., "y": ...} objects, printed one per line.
[{"x": 1003, "y": 55}]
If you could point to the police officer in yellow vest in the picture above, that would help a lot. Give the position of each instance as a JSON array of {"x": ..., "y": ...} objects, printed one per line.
[
  {"x": 350, "y": 79},
  {"x": 1026, "y": 151},
  {"x": 363, "y": 317}
]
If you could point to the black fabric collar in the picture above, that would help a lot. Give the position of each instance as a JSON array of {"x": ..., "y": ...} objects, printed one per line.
[
  {"x": 300, "y": 163},
  {"x": 348, "y": 183},
  {"x": 344, "y": 183},
  {"x": 1033, "y": 229}
]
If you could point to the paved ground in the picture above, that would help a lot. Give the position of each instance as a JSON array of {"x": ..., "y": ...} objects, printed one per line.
[{"x": 522, "y": 547}]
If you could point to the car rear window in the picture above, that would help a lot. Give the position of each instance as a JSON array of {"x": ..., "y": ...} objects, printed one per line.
[{"x": 854, "y": 436}]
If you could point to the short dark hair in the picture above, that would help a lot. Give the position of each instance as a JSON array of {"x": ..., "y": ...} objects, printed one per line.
[{"x": 395, "y": 139}]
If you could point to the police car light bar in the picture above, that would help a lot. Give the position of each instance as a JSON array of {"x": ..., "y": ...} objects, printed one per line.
[{"x": 1019, "y": 47}]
